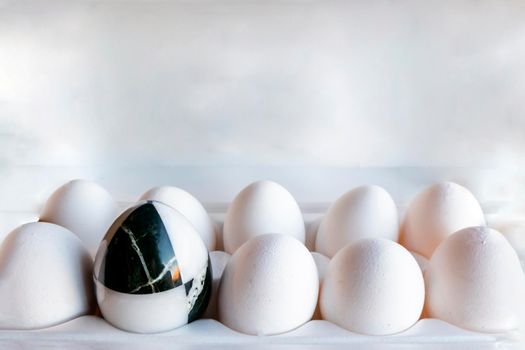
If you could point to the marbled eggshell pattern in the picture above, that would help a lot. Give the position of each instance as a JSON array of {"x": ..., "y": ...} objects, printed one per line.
[
  {"x": 84, "y": 208},
  {"x": 262, "y": 207},
  {"x": 152, "y": 270},
  {"x": 219, "y": 260},
  {"x": 45, "y": 277},
  {"x": 364, "y": 212},
  {"x": 474, "y": 281},
  {"x": 269, "y": 286},
  {"x": 190, "y": 207},
  {"x": 436, "y": 213},
  {"x": 374, "y": 287}
]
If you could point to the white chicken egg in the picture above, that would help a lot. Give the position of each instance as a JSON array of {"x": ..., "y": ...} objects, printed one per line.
[
  {"x": 45, "y": 277},
  {"x": 364, "y": 212},
  {"x": 436, "y": 213},
  {"x": 218, "y": 260},
  {"x": 373, "y": 286},
  {"x": 269, "y": 286},
  {"x": 321, "y": 262},
  {"x": 474, "y": 281},
  {"x": 190, "y": 207},
  {"x": 84, "y": 208},
  {"x": 262, "y": 207}
]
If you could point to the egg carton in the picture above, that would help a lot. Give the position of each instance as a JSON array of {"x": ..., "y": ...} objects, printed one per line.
[{"x": 94, "y": 332}]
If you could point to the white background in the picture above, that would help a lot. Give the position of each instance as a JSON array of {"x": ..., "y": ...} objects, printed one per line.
[{"x": 131, "y": 93}]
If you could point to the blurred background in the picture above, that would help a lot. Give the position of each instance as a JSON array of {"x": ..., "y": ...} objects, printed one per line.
[{"x": 211, "y": 94}]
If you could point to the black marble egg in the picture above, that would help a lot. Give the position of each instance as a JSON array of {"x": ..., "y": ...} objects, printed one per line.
[{"x": 152, "y": 270}]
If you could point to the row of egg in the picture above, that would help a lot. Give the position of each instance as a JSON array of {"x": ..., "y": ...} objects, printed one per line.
[{"x": 152, "y": 274}]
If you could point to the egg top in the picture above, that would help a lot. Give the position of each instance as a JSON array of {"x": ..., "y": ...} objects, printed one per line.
[
  {"x": 190, "y": 207},
  {"x": 260, "y": 208},
  {"x": 436, "y": 213},
  {"x": 364, "y": 212},
  {"x": 152, "y": 248},
  {"x": 84, "y": 208}
]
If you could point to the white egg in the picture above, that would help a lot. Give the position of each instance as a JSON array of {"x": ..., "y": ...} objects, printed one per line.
[
  {"x": 269, "y": 286},
  {"x": 373, "y": 286},
  {"x": 364, "y": 212},
  {"x": 188, "y": 206},
  {"x": 84, "y": 208},
  {"x": 218, "y": 260},
  {"x": 262, "y": 207},
  {"x": 45, "y": 277},
  {"x": 474, "y": 281},
  {"x": 321, "y": 262},
  {"x": 436, "y": 213}
]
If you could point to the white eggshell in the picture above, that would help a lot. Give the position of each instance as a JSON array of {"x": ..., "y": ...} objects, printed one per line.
[
  {"x": 474, "y": 281},
  {"x": 436, "y": 213},
  {"x": 45, "y": 277},
  {"x": 188, "y": 206},
  {"x": 218, "y": 260},
  {"x": 269, "y": 286},
  {"x": 373, "y": 286},
  {"x": 84, "y": 208},
  {"x": 321, "y": 262},
  {"x": 262, "y": 207},
  {"x": 364, "y": 212}
]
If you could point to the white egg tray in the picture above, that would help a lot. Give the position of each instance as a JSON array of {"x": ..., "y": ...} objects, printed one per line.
[{"x": 94, "y": 332}]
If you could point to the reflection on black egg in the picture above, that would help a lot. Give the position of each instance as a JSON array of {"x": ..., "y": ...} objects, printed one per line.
[{"x": 152, "y": 270}]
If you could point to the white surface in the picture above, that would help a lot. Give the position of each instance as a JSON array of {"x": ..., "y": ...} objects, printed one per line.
[
  {"x": 280, "y": 82},
  {"x": 45, "y": 277},
  {"x": 92, "y": 331},
  {"x": 474, "y": 280},
  {"x": 269, "y": 286},
  {"x": 190, "y": 207},
  {"x": 262, "y": 207},
  {"x": 373, "y": 286},
  {"x": 363, "y": 212}
]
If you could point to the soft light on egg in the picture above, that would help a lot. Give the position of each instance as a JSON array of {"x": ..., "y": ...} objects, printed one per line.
[
  {"x": 260, "y": 208},
  {"x": 474, "y": 281},
  {"x": 436, "y": 213},
  {"x": 83, "y": 207},
  {"x": 364, "y": 212},
  {"x": 269, "y": 286},
  {"x": 374, "y": 287}
]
